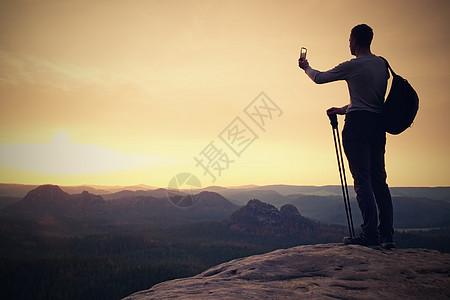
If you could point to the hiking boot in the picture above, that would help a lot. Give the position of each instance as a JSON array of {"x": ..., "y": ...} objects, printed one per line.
[
  {"x": 362, "y": 240},
  {"x": 388, "y": 244}
]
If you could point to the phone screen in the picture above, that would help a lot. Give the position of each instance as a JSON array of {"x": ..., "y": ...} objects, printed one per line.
[{"x": 303, "y": 53}]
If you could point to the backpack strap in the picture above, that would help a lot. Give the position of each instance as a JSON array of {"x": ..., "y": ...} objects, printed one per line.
[{"x": 388, "y": 66}]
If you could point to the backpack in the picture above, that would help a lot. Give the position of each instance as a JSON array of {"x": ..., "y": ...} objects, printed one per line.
[{"x": 401, "y": 105}]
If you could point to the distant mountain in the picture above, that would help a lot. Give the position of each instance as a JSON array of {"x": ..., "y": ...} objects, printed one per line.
[
  {"x": 325, "y": 203},
  {"x": 326, "y": 190},
  {"x": 241, "y": 197},
  {"x": 50, "y": 202},
  {"x": 436, "y": 193},
  {"x": 20, "y": 190},
  {"x": 154, "y": 206},
  {"x": 46, "y": 195},
  {"x": 274, "y": 194},
  {"x": 15, "y": 190},
  {"x": 328, "y": 209},
  {"x": 103, "y": 190},
  {"x": 158, "y": 193},
  {"x": 273, "y": 190},
  {"x": 409, "y": 212},
  {"x": 214, "y": 200}
]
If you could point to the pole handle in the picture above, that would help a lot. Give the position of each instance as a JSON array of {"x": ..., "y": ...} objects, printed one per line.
[{"x": 333, "y": 120}]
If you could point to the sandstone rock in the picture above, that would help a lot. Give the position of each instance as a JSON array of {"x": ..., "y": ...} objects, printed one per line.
[
  {"x": 289, "y": 211},
  {"x": 327, "y": 271},
  {"x": 263, "y": 219}
]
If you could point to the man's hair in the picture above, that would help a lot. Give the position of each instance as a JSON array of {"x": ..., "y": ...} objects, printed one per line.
[{"x": 362, "y": 34}]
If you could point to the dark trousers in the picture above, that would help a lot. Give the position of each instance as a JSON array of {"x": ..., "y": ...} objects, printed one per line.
[{"x": 364, "y": 141}]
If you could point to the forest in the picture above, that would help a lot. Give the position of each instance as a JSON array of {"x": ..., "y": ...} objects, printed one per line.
[
  {"x": 59, "y": 246},
  {"x": 131, "y": 258}
]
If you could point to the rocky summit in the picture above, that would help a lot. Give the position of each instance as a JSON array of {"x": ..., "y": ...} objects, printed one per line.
[
  {"x": 324, "y": 271},
  {"x": 264, "y": 219}
]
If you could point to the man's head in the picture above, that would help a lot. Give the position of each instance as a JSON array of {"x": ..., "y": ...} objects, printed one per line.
[{"x": 360, "y": 38}]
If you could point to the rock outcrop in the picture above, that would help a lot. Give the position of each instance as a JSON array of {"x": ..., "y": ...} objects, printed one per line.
[
  {"x": 326, "y": 271},
  {"x": 263, "y": 219}
]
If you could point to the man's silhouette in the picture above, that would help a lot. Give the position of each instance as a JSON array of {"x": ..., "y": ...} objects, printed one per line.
[{"x": 364, "y": 138}]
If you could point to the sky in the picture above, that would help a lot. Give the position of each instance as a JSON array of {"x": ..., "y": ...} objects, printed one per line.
[{"x": 137, "y": 92}]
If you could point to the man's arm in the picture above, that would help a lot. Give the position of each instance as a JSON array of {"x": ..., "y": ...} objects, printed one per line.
[{"x": 339, "y": 72}]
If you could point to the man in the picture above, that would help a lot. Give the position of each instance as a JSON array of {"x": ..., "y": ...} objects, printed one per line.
[{"x": 363, "y": 136}]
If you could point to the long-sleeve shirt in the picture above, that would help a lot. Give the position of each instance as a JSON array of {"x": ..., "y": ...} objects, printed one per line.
[{"x": 366, "y": 77}]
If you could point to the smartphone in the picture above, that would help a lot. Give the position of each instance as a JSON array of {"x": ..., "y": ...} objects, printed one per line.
[{"x": 303, "y": 53}]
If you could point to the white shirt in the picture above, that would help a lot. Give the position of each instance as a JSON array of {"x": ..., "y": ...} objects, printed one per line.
[{"x": 366, "y": 77}]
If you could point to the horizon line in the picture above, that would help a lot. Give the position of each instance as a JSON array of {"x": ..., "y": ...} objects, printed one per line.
[{"x": 212, "y": 186}]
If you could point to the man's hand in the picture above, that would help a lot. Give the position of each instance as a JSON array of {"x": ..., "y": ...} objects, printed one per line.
[
  {"x": 303, "y": 63},
  {"x": 336, "y": 110}
]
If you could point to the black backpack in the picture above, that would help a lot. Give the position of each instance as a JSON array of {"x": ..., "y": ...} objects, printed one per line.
[{"x": 401, "y": 105}]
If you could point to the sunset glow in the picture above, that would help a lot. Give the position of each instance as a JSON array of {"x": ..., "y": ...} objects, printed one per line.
[{"x": 131, "y": 92}]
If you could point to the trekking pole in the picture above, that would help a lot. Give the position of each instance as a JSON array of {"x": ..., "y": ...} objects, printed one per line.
[{"x": 337, "y": 141}]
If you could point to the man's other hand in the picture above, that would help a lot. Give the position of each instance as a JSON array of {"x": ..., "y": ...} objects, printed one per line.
[{"x": 335, "y": 110}]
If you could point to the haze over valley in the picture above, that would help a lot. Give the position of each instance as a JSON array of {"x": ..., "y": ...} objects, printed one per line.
[{"x": 59, "y": 240}]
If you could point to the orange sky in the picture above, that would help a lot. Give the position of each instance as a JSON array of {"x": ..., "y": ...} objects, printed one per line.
[{"x": 129, "y": 92}]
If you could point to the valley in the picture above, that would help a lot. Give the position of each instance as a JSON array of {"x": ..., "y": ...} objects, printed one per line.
[{"x": 83, "y": 245}]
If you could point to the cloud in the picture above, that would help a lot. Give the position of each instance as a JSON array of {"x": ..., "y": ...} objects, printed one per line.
[
  {"x": 16, "y": 69},
  {"x": 55, "y": 75},
  {"x": 62, "y": 157}
]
